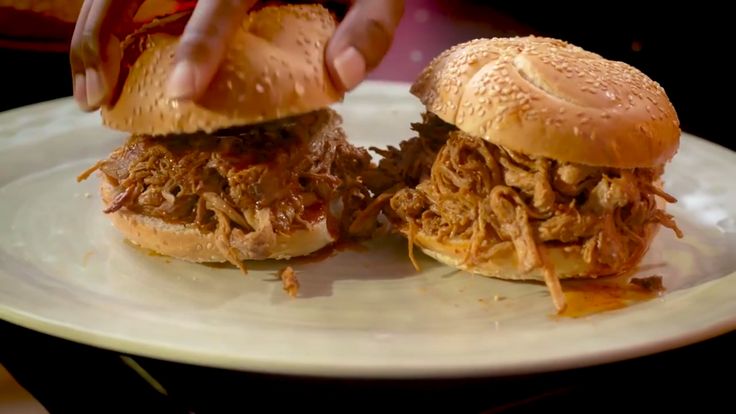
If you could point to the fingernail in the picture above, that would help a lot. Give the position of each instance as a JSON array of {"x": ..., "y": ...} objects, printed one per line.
[
  {"x": 95, "y": 88},
  {"x": 350, "y": 67},
  {"x": 80, "y": 90},
  {"x": 182, "y": 81}
]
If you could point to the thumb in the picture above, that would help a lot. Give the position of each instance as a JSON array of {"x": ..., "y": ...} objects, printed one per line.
[
  {"x": 203, "y": 45},
  {"x": 362, "y": 40}
]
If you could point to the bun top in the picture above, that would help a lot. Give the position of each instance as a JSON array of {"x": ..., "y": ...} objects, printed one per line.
[
  {"x": 273, "y": 68},
  {"x": 545, "y": 97}
]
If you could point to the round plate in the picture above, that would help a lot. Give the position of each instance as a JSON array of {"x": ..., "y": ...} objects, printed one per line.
[{"x": 64, "y": 270}]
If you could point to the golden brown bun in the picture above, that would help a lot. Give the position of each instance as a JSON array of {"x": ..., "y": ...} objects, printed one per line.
[
  {"x": 504, "y": 264},
  {"x": 548, "y": 98},
  {"x": 273, "y": 68},
  {"x": 568, "y": 264},
  {"x": 186, "y": 242}
]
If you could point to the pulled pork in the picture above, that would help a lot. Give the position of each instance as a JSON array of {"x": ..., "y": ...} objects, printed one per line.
[
  {"x": 455, "y": 186},
  {"x": 289, "y": 281},
  {"x": 299, "y": 170}
]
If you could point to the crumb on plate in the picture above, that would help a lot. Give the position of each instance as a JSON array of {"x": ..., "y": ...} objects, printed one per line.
[{"x": 289, "y": 281}]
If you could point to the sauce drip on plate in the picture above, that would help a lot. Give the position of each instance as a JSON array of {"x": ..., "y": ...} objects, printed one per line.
[{"x": 589, "y": 297}]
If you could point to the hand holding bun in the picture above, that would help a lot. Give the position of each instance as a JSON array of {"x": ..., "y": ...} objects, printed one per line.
[
  {"x": 273, "y": 67},
  {"x": 258, "y": 168},
  {"x": 359, "y": 44}
]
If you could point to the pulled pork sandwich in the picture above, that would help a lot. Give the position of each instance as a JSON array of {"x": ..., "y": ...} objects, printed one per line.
[
  {"x": 535, "y": 160},
  {"x": 258, "y": 168}
]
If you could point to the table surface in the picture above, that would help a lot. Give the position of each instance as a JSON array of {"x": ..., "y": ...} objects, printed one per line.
[{"x": 62, "y": 374}]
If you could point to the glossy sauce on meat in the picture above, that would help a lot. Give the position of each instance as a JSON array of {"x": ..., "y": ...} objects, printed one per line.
[
  {"x": 458, "y": 186},
  {"x": 270, "y": 178}
]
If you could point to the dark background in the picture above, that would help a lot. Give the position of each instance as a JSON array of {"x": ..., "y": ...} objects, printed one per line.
[{"x": 685, "y": 47}]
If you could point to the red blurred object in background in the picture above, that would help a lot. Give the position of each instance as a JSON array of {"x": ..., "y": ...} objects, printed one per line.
[
  {"x": 44, "y": 25},
  {"x": 428, "y": 27},
  {"x": 431, "y": 26},
  {"x": 47, "y": 25}
]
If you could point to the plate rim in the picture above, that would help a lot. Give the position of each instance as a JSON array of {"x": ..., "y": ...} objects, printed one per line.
[
  {"x": 183, "y": 355},
  {"x": 378, "y": 372}
]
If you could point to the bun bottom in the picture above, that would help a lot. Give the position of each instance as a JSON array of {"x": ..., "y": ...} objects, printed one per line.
[
  {"x": 568, "y": 263},
  {"x": 187, "y": 242}
]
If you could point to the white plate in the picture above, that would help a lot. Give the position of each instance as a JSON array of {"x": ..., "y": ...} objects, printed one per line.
[{"x": 65, "y": 271}]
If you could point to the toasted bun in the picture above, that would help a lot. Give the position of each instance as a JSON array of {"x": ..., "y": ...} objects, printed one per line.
[
  {"x": 273, "y": 68},
  {"x": 186, "y": 242},
  {"x": 504, "y": 264},
  {"x": 545, "y": 97},
  {"x": 568, "y": 264}
]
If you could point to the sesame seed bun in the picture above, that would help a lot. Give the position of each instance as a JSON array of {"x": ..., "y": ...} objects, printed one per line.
[
  {"x": 273, "y": 68},
  {"x": 545, "y": 97}
]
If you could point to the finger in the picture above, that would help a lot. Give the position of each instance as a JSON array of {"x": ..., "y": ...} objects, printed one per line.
[
  {"x": 75, "y": 57},
  {"x": 362, "y": 40},
  {"x": 98, "y": 49},
  {"x": 203, "y": 44},
  {"x": 101, "y": 50}
]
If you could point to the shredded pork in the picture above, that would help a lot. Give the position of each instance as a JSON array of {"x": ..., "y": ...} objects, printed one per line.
[
  {"x": 649, "y": 283},
  {"x": 295, "y": 171},
  {"x": 289, "y": 281},
  {"x": 455, "y": 186}
]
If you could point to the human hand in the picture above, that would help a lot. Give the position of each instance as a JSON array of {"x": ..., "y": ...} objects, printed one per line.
[{"x": 359, "y": 44}]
